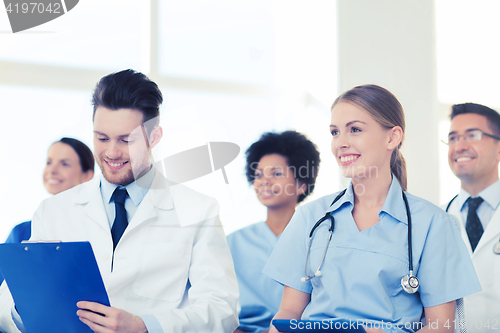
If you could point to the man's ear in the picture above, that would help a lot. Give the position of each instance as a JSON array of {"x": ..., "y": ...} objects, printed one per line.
[
  {"x": 155, "y": 136},
  {"x": 395, "y": 137},
  {"x": 498, "y": 151}
]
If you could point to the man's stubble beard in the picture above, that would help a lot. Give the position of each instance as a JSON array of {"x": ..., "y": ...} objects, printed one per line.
[{"x": 123, "y": 180}]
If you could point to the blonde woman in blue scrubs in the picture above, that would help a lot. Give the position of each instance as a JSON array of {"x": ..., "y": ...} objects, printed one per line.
[{"x": 360, "y": 278}]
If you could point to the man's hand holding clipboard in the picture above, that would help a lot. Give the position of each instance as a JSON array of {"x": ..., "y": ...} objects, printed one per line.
[{"x": 47, "y": 279}]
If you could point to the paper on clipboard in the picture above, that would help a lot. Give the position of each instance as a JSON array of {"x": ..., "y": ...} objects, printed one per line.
[{"x": 46, "y": 281}]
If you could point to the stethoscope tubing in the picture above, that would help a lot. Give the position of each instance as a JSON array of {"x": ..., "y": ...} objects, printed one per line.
[
  {"x": 410, "y": 247},
  {"x": 329, "y": 216},
  {"x": 409, "y": 282}
]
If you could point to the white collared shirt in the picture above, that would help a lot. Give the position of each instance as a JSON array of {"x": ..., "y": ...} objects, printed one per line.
[
  {"x": 491, "y": 197},
  {"x": 135, "y": 195}
]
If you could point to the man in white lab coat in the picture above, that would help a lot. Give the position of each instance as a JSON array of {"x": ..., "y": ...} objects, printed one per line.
[
  {"x": 169, "y": 268},
  {"x": 473, "y": 156}
]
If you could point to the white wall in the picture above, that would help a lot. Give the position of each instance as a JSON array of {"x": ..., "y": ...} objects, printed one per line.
[{"x": 391, "y": 43}]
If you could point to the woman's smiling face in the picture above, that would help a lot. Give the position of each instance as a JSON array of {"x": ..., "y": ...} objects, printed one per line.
[
  {"x": 63, "y": 170},
  {"x": 275, "y": 183},
  {"x": 359, "y": 142}
]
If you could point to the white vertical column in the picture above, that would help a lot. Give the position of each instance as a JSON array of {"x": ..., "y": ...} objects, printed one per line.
[{"x": 391, "y": 43}]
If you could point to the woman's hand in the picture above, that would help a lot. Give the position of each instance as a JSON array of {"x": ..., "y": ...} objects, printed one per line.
[{"x": 292, "y": 305}]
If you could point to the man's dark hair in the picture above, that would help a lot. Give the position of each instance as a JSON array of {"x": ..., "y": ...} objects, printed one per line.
[
  {"x": 129, "y": 89},
  {"x": 491, "y": 115},
  {"x": 302, "y": 157}
]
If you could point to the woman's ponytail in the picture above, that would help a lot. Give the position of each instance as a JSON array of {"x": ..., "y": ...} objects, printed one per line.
[{"x": 398, "y": 168}]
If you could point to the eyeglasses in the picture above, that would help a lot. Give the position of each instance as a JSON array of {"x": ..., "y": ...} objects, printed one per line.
[{"x": 471, "y": 135}]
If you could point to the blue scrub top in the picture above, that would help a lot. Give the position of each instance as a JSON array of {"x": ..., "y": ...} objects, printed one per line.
[
  {"x": 19, "y": 233},
  {"x": 260, "y": 296},
  {"x": 362, "y": 271}
]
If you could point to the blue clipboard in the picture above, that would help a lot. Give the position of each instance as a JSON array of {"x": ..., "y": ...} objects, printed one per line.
[
  {"x": 46, "y": 281},
  {"x": 317, "y": 326}
]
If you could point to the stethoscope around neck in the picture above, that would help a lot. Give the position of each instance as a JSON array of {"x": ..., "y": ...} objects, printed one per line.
[
  {"x": 409, "y": 282},
  {"x": 496, "y": 247}
]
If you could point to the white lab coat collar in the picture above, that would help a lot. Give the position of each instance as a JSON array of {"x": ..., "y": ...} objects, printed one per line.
[
  {"x": 90, "y": 196},
  {"x": 492, "y": 230}
]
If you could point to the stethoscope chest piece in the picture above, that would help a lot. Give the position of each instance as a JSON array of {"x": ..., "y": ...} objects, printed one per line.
[
  {"x": 410, "y": 283},
  {"x": 496, "y": 248}
]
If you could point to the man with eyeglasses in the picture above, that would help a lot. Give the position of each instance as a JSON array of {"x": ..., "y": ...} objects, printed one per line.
[{"x": 473, "y": 156}]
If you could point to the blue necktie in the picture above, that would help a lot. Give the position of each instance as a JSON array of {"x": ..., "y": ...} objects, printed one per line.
[
  {"x": 473, "y": 225},
  {"x": 120, "y": 223}
]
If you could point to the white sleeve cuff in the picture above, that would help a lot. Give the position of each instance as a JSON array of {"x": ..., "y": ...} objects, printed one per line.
[{"x": 152, "y": 324}]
